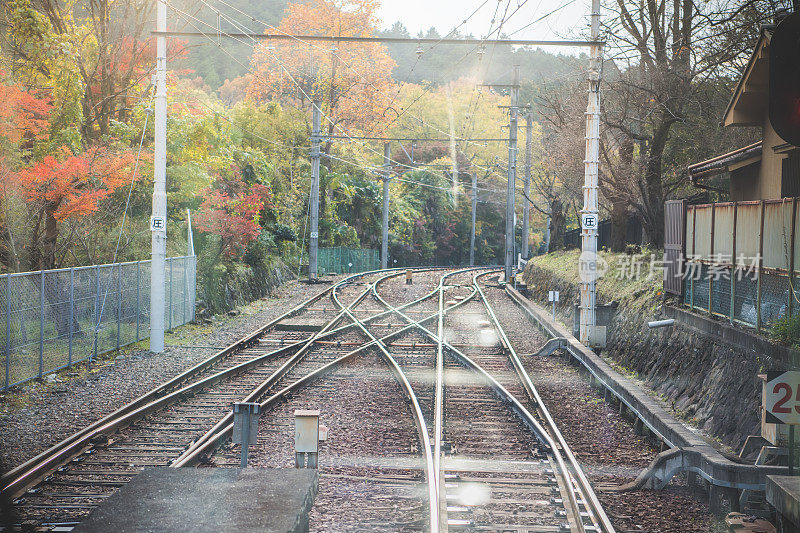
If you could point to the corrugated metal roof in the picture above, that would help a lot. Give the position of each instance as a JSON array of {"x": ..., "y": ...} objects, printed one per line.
[{"x": 720, "y": 164}]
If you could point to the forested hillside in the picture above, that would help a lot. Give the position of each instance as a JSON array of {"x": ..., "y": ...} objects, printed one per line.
[{"x": 76, "y": 146}]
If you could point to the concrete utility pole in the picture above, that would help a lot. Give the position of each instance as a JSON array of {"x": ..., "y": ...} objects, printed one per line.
[
  {"x": 158, "y": 219},
  {"x": 474, "y": 210},
  {"x": 512, "y": 175},
  {"x": 313, "y": 241},
  {"x": 589, "y": 218},
  {"x": 387, "y": 156},
  {"x": 526, "y": 206}
]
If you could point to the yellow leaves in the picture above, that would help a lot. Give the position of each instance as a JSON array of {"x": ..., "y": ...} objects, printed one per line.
[{"x": 352, "y": 80}]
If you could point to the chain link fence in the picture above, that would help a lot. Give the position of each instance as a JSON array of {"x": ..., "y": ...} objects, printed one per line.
[
  {"x": 51, "y": 319},
  {"x": 341, "y": 260},
  {"x": 751, "y": 299}
]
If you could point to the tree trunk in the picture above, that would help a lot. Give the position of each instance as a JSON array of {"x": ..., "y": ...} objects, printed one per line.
[
  {"x": 619, "y": 223},
  {"x": 557, "y": 222},
  {"x": 653, "y": 221}
]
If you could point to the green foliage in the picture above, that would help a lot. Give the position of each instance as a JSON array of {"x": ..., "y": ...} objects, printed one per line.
[{"x": 786, "y": 330}]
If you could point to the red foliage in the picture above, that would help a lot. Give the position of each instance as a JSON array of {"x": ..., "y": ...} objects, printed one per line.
[
  {"x": 231, "y": 210},
  {"x": 73, "y": 185},
  {"x": 22, "y": 115}
]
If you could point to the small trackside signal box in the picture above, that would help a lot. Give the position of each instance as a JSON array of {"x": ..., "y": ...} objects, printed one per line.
[
  {"x": 306, "y": 437},
  {"x": 245, "y": 426},
  {"x": 409, "y": 277}
]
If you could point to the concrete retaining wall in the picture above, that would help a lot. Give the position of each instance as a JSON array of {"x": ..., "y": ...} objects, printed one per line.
[{"x": 708, "y": 379}]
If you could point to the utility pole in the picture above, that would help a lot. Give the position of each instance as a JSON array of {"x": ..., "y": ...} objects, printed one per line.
[
  {"x": 589, "y": 219},
  {"x": 387, "y": 156},
  {"x": 313, "y": 241},
  {"x": 158, "y": 219},
  {"x": 526, "y": 206},
  {"x": 474, "y": 209},
  {"x": 512, "y": 175}
]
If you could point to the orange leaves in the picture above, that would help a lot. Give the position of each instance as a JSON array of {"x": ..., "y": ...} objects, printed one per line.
[
  {"x": 232, "y": 211},
  {"x": 73, "y": 185},
  {"x": 352, "y": 80},
  {"x": 22, "y": 114}
]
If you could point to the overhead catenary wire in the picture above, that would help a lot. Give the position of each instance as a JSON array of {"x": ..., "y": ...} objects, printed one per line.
[
  {"x": 285, "y": 69},
  {"x": 325, "y": 116},
  {"x": 121, "y": 227},
  {"x": 239, "y": 26}
]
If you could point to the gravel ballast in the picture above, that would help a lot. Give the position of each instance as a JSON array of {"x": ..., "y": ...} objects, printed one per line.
[
  {"x": 39, "y": 414},
  {"x": 604, "y": 442}
]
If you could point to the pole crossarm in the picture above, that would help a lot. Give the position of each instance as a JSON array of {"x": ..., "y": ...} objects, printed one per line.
[
  {"x": 413, "y": 139},
  {"x": 395, "y": 40}
]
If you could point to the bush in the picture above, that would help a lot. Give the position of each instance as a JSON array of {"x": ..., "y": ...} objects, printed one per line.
[{"x": 787, "y": 330}]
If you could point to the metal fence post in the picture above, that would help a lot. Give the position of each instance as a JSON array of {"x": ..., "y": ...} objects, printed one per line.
[
  {"x": 733, "y": 263},
  {"x": 171, "y": 261},
  {"x": 760, "y": 263},
  {"x": 41, "y": 323},
  {"x": 138, "y": 309},
  {"x": 119, "y": 301},
  {"x": 71, "y": 314},
  {"x": 185, "y": 288},
  {"x": 96, "y": 310},
  {"x": 710, "y": 278},
  {"x": 790, "y": 308},
  {"x": 8, "y": 330}
]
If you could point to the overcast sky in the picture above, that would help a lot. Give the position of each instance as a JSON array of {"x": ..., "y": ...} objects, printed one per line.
[{"x": 444, "y": 15}]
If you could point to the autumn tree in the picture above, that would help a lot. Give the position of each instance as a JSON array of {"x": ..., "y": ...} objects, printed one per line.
[
  {"x": 23, "y": 123},
  {"x": 351, "y": 80},
  {"x": 673, "y": 58},
  {"x": 67, "y": 186},
  {"x": 233, "y": 211},
  {"x": 94, "y": 56}
]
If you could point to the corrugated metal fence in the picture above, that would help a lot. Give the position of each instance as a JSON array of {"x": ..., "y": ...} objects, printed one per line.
[
  {"x": 342, "y": 260},
  {"x": 51, "y": 319},
  {"x": 742, "y": 259}
]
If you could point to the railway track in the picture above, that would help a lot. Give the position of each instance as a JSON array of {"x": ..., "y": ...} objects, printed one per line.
[{"x": 433, "y": 424}]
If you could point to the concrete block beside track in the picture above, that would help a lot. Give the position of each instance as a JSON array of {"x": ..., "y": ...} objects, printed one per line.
[{"x": 209, "y": 500}]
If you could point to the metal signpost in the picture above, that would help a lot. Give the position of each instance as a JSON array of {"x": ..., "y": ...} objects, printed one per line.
[
  {"x": 552, "y": 296},
  {"x": 782, "y": 404},
  {"x": 245, "y": 426}
]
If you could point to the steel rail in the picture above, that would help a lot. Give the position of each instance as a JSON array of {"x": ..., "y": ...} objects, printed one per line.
[
  {"x": 581, "y": 480},
  {"x": 419, "y": 418},
  {"x": 225, "y": 432},
  {"x": 32, "y": 471},
  {"x": 527, "y": 418},
  {"x": 215, "y": 440},
  {"x": 265, "y": 385},
  {"x": 213, "y": 436},
  {"x": 439, "y": 388},
  {"x": 24, "y": 475}
]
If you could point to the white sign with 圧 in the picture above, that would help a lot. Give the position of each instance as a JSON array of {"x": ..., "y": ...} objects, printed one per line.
[
  {"x": 589, "y": 221},
  {"x": 157, "y": 223},
  {"x": 782, "y": 397}
]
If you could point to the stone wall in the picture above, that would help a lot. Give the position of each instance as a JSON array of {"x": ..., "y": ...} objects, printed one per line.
[{"x": 711, "y": 383}]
